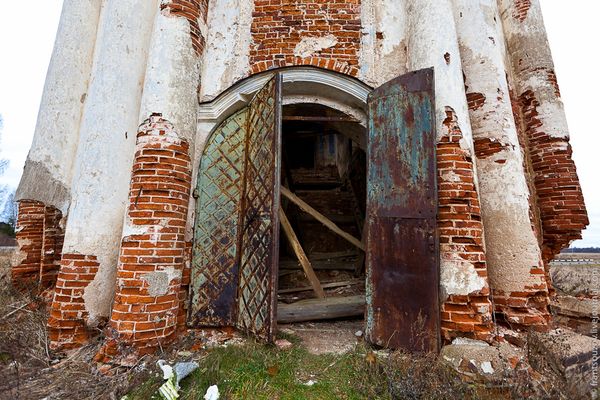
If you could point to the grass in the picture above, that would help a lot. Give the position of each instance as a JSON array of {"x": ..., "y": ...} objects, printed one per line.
[{"x": 254, "y": 371}]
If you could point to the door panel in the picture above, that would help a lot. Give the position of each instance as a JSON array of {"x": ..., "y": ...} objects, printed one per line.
[
  {"x": 259, "y": 235},
  {"x": 214, "y": 275},
  {"x": 402, "y": 255}
]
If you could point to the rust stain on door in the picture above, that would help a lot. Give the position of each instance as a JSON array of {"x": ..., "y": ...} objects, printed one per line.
[{"x": 402, "y": 255}]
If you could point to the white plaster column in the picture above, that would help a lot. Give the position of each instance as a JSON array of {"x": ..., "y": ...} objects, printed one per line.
[
  {"x": 559, "y": 198},
  {"x": 529, "y": 53},
  {"x": 383, "y": 48},
  {"x": 49, "y": 166},
  {"x": 106, "y": 145},
  {"x": 171, "y": 85},
  {"x": 432, "y": 42},
  {"x": 512, "y": 248}
]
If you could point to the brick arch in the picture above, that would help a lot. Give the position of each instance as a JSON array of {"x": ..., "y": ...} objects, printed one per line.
[{"x": 291, "y": 61}]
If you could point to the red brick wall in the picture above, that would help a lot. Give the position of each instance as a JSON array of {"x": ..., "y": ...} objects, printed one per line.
[
  {"x": 30, "y": 239},
  {"x": 461, "y": 236},
  {"x": 559, "y": 197},
  {"x": 193, "y": 11},
  {"x": 279, "y": 25},
  {"x": 67, "y": 323},
  {"x": 143, "y": 318},
  {"x": 52, "y": 247}
]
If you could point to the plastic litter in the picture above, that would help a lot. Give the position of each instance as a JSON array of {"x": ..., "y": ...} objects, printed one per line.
[
  {"x": 212, "y": 393},
  {"x": 173, "y": 375}
]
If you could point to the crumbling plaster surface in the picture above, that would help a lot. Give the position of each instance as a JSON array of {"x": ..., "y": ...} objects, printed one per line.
[
  {"x": 511, "y": 244},
  {"x": 432, "y": 41},
  {"x": 106, "y": 144},
  {"x": 383, "y": 51},
  {"x": 531, "y": 59},
  {"x": 48, "y": 169},
  {"x": 226, "y": 55},
  {"x": 160, "y": 281},
  {"x": 172, "y": 76}
]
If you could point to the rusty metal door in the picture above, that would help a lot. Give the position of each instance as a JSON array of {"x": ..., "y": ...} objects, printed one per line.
[
  {"x": 259, "y": 222},
  {"x": 402, "y": 255},
  {"x": 214, "y": 275}
]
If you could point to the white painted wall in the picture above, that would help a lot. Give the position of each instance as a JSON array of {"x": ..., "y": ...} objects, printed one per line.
[
  {"x": 48, "y": 169},
  {"x": 107, "y": 139},
  {"x": 512, "y": 247}
]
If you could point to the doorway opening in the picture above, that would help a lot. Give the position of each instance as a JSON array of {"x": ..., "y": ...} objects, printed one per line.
[{"x": 323, "y": 207}]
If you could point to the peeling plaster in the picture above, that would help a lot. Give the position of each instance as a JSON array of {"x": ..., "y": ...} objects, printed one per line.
[
  {"x": 458, "y": 276},
  {"x": 49, "y": 166},
  {"x": 159, "y": 281},
  {"x": 312, "y": 46},
  {"x": 382, "y": 53},
  {"x": 226, "y": 56},
  {"x": 172, "y": 76},
  {"x": 112, "y": 108},
  {"x": 511, "y": 243}
]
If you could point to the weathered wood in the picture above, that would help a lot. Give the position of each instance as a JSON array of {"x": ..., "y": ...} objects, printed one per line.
[
  {"x": 318, "y": 119},
  {"x": 319, "y": 309},
  {"x": 320, "y": 265},
  {"x": 316, "y": 255},
  {"x": 329, "y": 285},
  {"x": 308, "y": 270},
  {"x": 321, "y": 218}
]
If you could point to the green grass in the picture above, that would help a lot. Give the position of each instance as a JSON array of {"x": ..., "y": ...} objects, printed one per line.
[
  {"x": 263, "y": 372},
  {"x": 254, "y": 372}
]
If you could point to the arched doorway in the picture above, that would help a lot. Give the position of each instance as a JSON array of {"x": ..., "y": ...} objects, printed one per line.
[{"x": 248, "y": 163}]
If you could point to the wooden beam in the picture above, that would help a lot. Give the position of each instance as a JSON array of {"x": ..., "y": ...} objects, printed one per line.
[
  {"x": 330, "y": 285},
  {"x": 321, "y": 218},
  {"x": 318, "y": 309},
  {"x": 308, "y": 270},
  {"x": 303, "y": 118}
]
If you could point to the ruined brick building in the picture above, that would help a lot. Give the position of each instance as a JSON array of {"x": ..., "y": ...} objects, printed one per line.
[{"x": 431, "y": 134}]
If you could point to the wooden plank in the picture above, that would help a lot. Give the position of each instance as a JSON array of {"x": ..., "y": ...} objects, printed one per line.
[
  {"x": 318, "y": 119},
  {"x": 329, "y": 285},
  {"x": 321, "y": 218},
  {"x": 360, "y": 260},
  {"x": 308, "y": 270},
  {"x": 319, "y": 309},
  {"x": 320, "y": 265}
]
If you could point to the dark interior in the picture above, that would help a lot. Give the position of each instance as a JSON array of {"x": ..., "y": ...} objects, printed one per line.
[{"x": 327, "y": 170}]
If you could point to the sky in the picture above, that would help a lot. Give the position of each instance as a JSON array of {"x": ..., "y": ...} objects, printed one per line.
[{"x": 572, "y": 26}]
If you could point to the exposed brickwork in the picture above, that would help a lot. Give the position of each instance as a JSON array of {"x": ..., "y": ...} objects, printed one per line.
[
  {"x": 67, "y": 323},
  {"x": 149, "y": 276},
  {"x": 485, "y": 147},
  {"x": 521, "y": 9},
  {"x": 192, "y": 10},
  {"x": 30, "y": 239},
  {"x": 527, "y": 308},
  {"x": 279, "y": 25},
  {"x": 185, "y": 286},
  {"x": 52, "y": 247},
  {"x": 475, "y": 100},
  {"x": 461, "y": 235},
  {"x": 559, "y": 197}
]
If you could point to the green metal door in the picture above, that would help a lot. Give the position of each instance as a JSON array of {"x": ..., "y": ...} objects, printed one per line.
[
  {"x": 236, "y": 237},
  {"x": 259, "y": 222}
]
